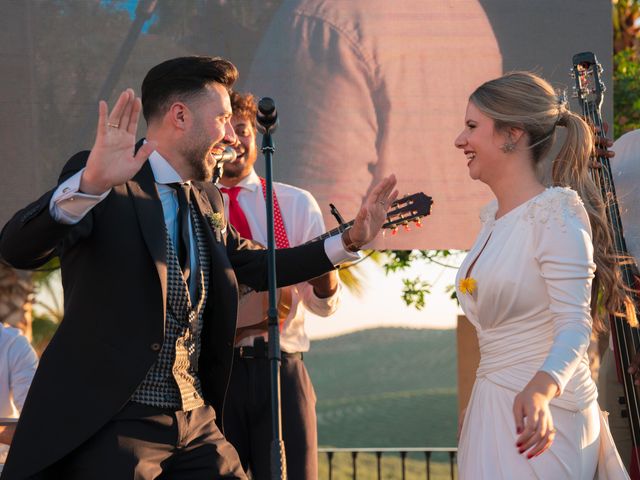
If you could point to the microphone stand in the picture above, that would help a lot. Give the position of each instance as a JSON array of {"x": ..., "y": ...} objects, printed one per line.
[{"x": 277, "y": 452}]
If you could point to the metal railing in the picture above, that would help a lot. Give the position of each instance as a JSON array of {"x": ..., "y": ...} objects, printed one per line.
[{"x": 378, "y": 452}]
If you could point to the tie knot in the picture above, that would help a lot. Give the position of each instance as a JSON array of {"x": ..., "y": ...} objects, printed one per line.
[
  {"x": 232, "y": 192},
  {"x": 185, "y": 187},
  {"x": 182, "y": 189}
]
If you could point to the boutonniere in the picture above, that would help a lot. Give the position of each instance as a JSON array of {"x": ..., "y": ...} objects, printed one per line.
[
  {"x": 467, "y": 285},
  {"x": 216, "y": 220}
]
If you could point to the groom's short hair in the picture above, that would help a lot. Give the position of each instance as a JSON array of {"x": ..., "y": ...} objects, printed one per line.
[{"x": 181, "y": 79}]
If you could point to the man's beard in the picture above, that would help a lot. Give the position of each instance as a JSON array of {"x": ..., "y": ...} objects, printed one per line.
[
  {"x": 231, "y": 172},
  {"x": 242, "y": 167},
  {"x": 198, "y": 157}
]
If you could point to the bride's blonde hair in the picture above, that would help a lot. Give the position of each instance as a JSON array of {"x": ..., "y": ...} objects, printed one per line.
[{"x": 528, "y": 102}]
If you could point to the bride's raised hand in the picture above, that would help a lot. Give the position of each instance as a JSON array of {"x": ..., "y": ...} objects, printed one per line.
[{"x": 533, "y": 419}]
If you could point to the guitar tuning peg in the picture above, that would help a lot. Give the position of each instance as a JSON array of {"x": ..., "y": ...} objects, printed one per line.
[
  {"x": 418, "y": 223},
  {"x": 407, "y": 228},
  {"x": 394, "y": 230}
]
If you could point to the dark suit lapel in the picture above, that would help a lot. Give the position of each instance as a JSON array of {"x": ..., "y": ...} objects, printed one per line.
[
  {"x": 221, "y": 270},
  {"x": 148, "y": 207},
  {"x": 205, "y": 210}
]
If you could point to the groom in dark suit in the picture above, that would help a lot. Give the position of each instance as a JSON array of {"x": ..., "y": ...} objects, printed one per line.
[{"x": 131, "y": 383}]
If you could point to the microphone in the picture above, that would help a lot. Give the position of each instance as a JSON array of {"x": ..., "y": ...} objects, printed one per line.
[
  {"x": 267, "y": 116},
  {"x": 228, "y": 155}
]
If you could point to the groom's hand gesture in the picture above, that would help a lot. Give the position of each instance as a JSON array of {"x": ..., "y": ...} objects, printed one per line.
[
  {"x": 112, "y": 161},
  {"x": 372, "y": 215}
]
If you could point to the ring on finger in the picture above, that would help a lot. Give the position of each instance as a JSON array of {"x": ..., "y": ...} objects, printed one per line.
[{"x": 113, "y": 125}]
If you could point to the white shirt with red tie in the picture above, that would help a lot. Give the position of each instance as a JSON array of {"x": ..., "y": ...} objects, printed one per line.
[{"x": 303, "y": 222}]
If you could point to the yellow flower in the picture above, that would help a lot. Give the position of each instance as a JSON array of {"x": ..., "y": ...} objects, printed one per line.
[
  {"x": 216, "y": 219},
  {"x": 467, "y": 285}
]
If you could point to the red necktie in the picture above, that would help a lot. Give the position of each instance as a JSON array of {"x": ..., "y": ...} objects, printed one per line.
[
  {"x": 236, "y": 215},
  {"x": 282, "y": 241}
]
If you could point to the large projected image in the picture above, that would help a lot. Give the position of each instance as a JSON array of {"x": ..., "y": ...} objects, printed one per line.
[{"x": 363, "y": 87}]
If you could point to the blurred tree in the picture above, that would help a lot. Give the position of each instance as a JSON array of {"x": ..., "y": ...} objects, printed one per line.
[
  {"x": 626, "y": 93},
  {"x": 626, "y": 81},
  {"x": 625, "y": 17},
  {"x": 414, "y": 291}
]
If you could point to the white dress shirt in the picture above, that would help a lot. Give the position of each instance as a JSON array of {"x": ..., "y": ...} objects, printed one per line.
[
  {"x": 303, "y": 222},
  {"x": 18, "y": 363},
  {"x": 625, "y": 168}
]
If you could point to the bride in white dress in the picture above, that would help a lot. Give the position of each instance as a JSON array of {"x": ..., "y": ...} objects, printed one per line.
[{"x": 526, "y": 286}]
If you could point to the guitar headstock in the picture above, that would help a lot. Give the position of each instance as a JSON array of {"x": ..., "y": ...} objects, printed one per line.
[
  {"x": 410, "y": 208},
  {"x": 589, "y": 88}
]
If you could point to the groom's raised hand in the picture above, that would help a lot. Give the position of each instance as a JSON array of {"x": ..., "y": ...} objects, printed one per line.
[
  {"x": 372, "y": 214},
  {"x": 112, "y": 161}
]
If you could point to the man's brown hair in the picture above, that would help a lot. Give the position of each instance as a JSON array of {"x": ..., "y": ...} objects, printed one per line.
[{"x": 244, "y": 105}]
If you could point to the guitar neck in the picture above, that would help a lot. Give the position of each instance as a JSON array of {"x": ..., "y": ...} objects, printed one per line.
[
  {"x": 410, "y": 208},
  {"x": 332, "y": 233}
]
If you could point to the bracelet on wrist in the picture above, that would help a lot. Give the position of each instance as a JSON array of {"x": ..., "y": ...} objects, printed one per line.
[{"x": 348, "y": 244}]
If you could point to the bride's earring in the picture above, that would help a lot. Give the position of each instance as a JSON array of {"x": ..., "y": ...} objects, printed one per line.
[{"x": 508, "y": 146}]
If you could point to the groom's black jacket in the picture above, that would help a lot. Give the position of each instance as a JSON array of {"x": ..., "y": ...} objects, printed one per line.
[{"x": 114, "y": 275}]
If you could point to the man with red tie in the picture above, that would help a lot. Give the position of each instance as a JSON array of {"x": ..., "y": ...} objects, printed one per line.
[{"x": 297, "y": 220}]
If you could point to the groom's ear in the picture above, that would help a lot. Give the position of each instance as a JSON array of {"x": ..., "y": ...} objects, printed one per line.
[{"x": 179, "y": 116}]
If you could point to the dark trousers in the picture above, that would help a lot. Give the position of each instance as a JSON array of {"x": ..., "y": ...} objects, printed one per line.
[
  {"x": 247, "y": 416},
  {"x": 143, "y": 443}
]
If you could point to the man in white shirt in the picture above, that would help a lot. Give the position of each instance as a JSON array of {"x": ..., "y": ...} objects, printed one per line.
[
  {"x": 18, "y": 363},
  {"x": 625, "y": 168},
  {"x": 298, "y": 219}
]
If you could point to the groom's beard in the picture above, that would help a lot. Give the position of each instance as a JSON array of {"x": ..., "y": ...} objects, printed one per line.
[{"x": 198, "y": 157}]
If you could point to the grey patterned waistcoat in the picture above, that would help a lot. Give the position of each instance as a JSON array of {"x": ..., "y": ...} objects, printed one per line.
[{"x": 173, "y": 381}]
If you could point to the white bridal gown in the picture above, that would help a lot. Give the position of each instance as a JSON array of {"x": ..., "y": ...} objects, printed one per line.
[{"x": 533, "y": 268}]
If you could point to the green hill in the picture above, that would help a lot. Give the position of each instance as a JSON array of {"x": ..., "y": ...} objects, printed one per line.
[{"x": 386, "y": 387}]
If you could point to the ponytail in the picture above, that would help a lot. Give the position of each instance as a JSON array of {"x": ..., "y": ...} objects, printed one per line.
[{"x": 571, "y": 169}]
